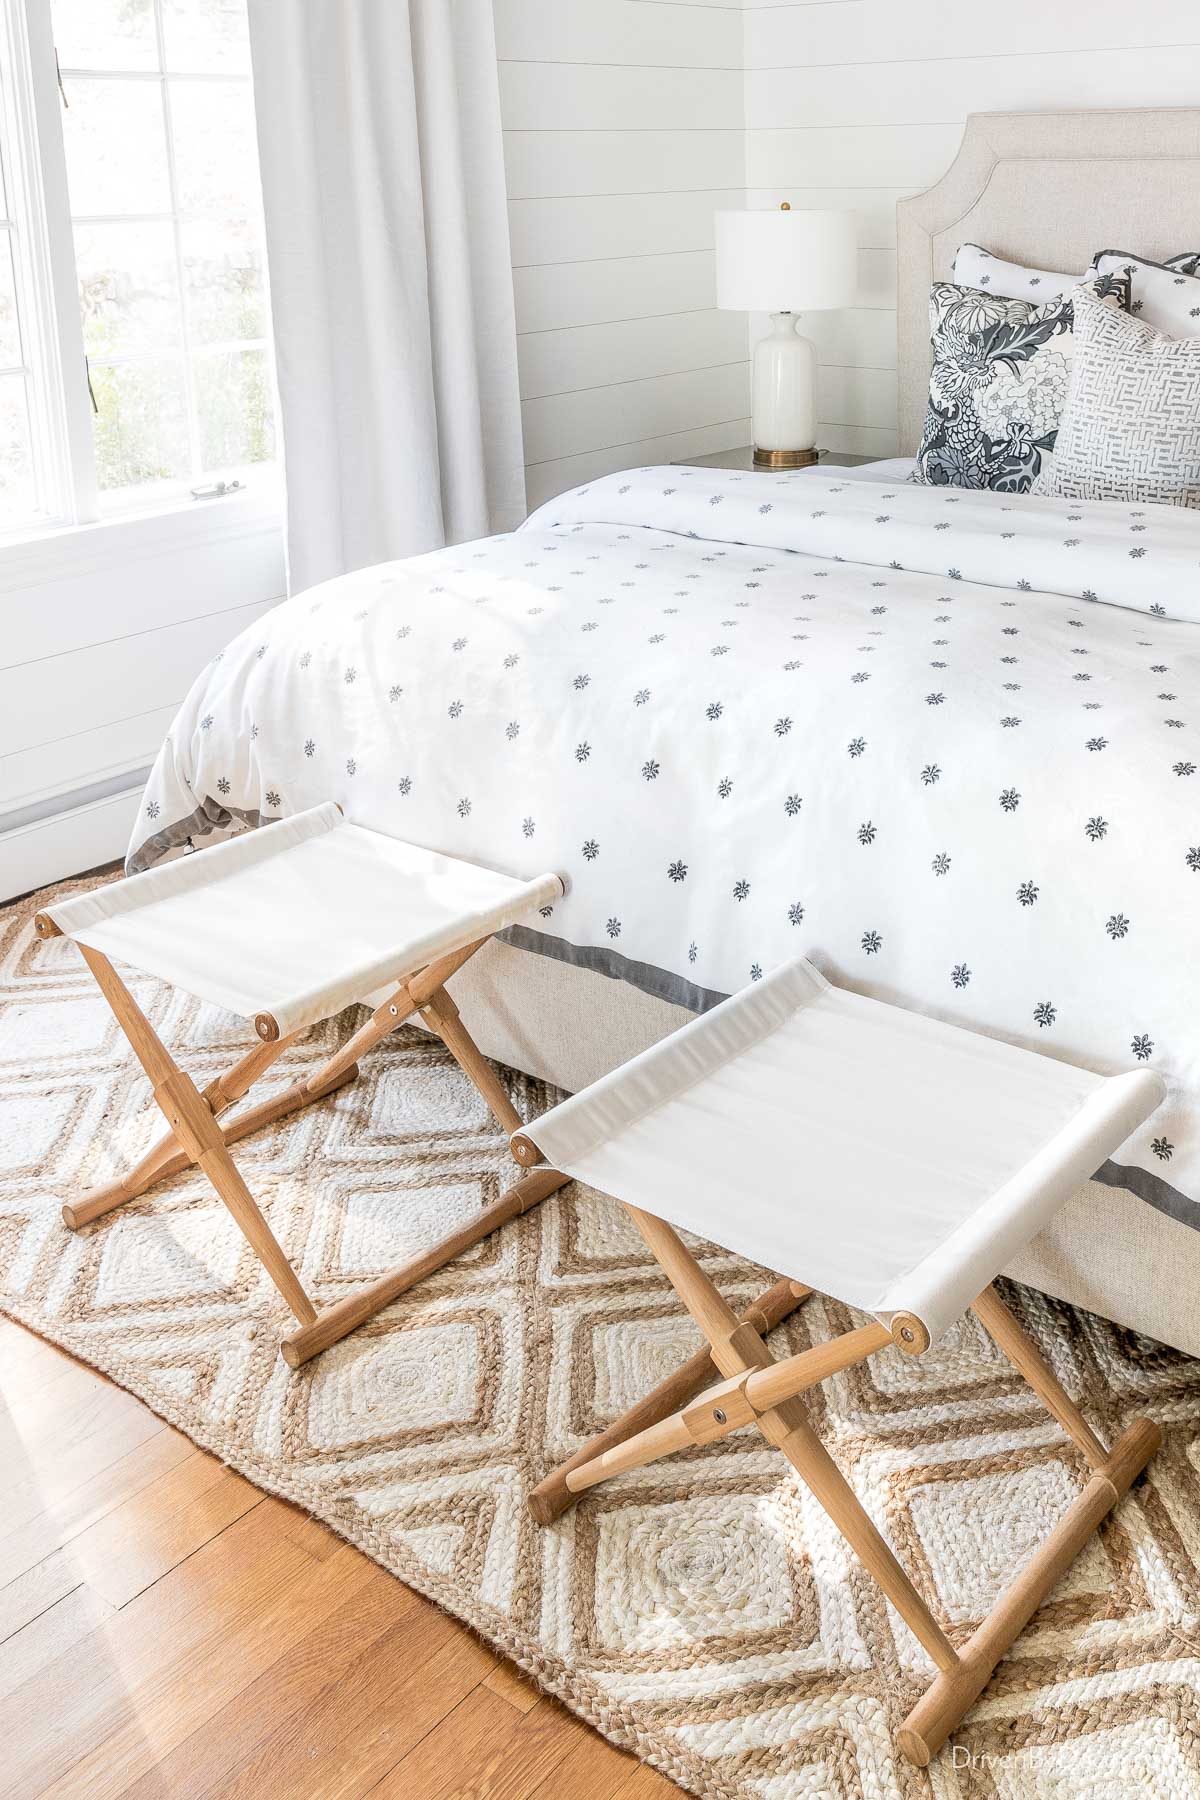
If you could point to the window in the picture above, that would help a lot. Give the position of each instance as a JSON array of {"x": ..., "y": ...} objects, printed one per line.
[{"x": 135, "y": 359}]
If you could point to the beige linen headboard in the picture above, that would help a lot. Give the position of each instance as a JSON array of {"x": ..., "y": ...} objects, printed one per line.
[{"x": 1046, "y": 189}]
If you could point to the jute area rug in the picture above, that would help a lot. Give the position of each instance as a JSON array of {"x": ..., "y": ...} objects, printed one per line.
[{"x": 702, "y": 1613}]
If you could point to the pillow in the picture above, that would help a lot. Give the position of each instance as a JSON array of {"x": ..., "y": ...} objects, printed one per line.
[
  {"x": 975, "y": 267},
  {"x": 978, "y": 268},
  {"x": 1131, "y": 426},
  {"x": 998, "y": 385},
  {"x": 1164, "y": 294}
]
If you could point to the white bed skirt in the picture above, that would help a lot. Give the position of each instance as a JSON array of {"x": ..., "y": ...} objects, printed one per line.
[{"x": 1106, "y": 1250}]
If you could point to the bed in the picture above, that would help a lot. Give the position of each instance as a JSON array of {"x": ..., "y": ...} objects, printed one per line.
[{"x": 944, "y": 744}]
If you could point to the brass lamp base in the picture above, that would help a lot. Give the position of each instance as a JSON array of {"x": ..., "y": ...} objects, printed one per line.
[{"x": 784, "y": 459}]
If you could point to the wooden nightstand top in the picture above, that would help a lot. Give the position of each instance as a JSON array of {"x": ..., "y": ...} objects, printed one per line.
[{"x": 743, "y": 458}]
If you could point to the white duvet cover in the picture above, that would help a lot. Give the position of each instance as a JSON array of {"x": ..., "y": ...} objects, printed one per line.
[{"x": 945, "y": 744}]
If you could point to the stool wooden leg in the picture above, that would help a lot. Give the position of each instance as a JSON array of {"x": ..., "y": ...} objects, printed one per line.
[
  {"x": 336, "y": 1321},
  {"x": 787, "y": 1426},
  {"x": 440, "y": 1012},
  {"x": 165, "y": 1158},
  {"x": 383, "y": 1021},
  {"x": 737, "y": 1348},
  {"x": 197, "y": 1138},
  {"x": 221, "y": 1170},
  {"x": 552, "y": 1496},
  {"x": 197, "y": 1132},
  {"x": 752, "y": 1377},
  {"x": 425, "y": 993},
  {"x": 1021, "y": 1352},
  {"x": 411, "y": 994},
  {"x": 943, "y": 1704}
]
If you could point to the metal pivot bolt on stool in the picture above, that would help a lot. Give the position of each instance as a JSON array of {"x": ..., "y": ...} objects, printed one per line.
[
  {"x": 287, "y": 925},
  {"x": 902, "y": 1163}
]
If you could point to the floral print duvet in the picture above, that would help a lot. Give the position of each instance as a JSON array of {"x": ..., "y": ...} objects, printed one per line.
[{"x": 946, "y": 744}]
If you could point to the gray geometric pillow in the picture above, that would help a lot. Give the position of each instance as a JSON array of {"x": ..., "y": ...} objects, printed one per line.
[
  {"x": 999, "y": 383},
  {"x": 1131, "y": 426}
]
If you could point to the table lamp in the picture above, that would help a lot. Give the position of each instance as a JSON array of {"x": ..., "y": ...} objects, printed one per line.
[{"x": 784, "y": 263}]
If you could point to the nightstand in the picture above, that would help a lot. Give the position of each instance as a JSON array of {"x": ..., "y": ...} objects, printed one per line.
[{"x": 743, "y": 458}]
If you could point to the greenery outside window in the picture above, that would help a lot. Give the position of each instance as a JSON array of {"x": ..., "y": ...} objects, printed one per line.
[{"x": 135, "y": 358}]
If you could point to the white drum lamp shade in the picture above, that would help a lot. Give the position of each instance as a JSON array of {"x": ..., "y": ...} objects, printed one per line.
[{"x": 783, "y": 263}]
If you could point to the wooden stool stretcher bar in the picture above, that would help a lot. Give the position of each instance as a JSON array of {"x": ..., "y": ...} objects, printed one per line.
[
  {"x": 673, "y": 1137},
  {"x": 342, "y": 870},
  {"x": 552, "y": 1496}
]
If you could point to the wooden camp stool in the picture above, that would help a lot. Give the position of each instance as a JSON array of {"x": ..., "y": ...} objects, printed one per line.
[
  {"x": 286, "y": 926},
  {"x": 900, "y": 1163}
]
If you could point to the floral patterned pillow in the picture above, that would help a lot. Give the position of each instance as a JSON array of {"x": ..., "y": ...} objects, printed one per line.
[{"x": 999, "y": 384}]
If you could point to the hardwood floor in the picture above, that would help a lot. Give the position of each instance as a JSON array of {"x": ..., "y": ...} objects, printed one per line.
[{"x": 168, "y": 1630}]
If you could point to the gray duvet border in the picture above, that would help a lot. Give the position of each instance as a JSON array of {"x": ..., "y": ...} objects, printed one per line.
[
  {"x": 660, "y": 984},
  {"x": 1152, "y": 1189},
  {"x": 209, "y": 816}
]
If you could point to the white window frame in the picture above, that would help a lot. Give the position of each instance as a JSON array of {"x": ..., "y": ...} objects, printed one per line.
[
  {"x": 31, "y": 137},
  {"x": 36, "y": 173}
]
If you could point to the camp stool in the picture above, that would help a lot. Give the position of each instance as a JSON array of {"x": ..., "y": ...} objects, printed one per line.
[
  {"x": 899, "y": 1164},
  {"x": 285, "y": 926}
]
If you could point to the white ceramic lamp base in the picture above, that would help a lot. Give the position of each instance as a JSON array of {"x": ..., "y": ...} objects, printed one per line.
[{"x": 784, "y": 412}]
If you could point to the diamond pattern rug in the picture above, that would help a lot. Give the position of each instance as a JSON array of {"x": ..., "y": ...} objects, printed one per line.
[{"x": 704, "y": 1612}]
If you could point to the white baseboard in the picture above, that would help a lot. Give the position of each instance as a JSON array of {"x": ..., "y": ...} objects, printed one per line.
[{"x": 66, "y": 843}]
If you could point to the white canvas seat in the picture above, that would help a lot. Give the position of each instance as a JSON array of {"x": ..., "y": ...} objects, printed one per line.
[
  {"x": 897, "y": 1162},
  {"x": 890, "y": 1161},
  {"x": 300, "y": 918},
  {"x": 286, "y": 926}
]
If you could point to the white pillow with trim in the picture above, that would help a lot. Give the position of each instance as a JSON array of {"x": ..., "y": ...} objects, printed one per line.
[
  {"x": 1162, "y": 294},
  {"x": 976, "y": 267}
]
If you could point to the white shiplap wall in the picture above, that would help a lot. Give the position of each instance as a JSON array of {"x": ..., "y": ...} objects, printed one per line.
[
  {"x": 102, "y": 630},
  {"x": 856, "y": 102},
  {"x": 624, "y": 129}
]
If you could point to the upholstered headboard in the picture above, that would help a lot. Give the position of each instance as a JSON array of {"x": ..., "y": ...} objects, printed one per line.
[{"x": 1047, "y": 189}]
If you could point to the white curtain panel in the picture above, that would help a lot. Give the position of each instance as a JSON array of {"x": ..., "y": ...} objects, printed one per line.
[{"x": 391, "y": 283}]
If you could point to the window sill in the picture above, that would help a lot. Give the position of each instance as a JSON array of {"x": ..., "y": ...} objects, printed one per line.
[{"x": 63, "y": 551}]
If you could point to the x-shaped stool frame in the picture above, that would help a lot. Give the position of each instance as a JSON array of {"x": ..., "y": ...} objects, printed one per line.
[
  {"x": 757, "y": 1389},
  {"x": 195, "y": 1136}
]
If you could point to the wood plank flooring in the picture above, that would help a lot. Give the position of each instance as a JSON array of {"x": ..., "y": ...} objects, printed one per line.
[{"x": 168, "y": 1630}]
